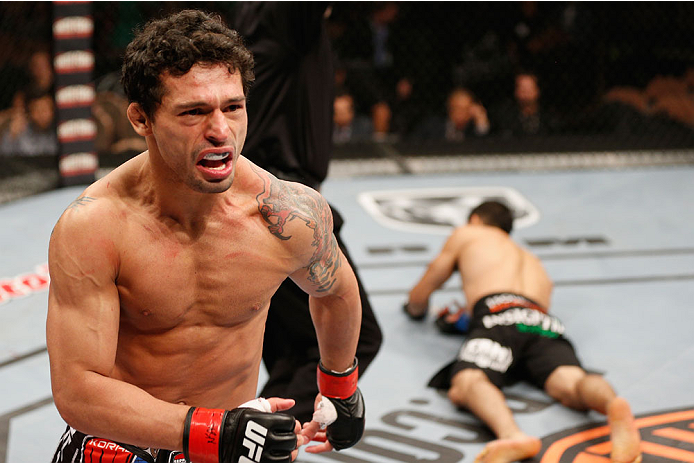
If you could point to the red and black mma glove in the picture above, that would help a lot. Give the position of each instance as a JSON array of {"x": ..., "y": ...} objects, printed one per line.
[
  {"x": 341, "y": 389},
  {"x": 241, "y": 435}
]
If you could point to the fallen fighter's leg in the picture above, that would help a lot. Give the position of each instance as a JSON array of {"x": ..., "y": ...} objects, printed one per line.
[
  {"x": 471, "y": 389},
  {"x": 508, "y": 450},
  {"x": 624, "y": 435}
]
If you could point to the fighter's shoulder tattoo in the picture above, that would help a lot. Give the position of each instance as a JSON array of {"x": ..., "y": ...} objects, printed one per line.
[
  {"x": 81, "y": 201},
  {"x": 281, "y": 202},
  {"x": 78, "y": 203}
]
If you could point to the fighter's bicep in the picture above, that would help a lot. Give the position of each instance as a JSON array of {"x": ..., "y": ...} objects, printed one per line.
[
  {"x": 82, "y": 334},
  {"x": 83, "y": 305},
  {"x": 324, "y": 269}
]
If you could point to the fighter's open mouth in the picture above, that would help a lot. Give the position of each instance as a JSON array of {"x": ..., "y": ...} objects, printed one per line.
[{"x": 215, "y": 160}]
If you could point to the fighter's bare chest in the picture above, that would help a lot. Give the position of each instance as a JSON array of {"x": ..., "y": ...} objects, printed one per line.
[{"x": 215, "y": 278}]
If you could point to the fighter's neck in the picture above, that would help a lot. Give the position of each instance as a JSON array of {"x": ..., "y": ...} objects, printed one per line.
[{"x": 172, "y": 200}]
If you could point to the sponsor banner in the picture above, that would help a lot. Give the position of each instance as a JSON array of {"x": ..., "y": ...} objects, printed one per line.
[
  {"x": 25, "y": 284},
  {"x": 74, "y": 62},
  {"x": 73, "y": 28},
  {"x": 79, "y": 163},
  {"x": 438, "y": 210},
  {"x": 76, "y": 130},
  {"x": 72, "y": 96}
]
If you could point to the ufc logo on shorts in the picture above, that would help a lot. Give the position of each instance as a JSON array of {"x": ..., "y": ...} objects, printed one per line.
[
  {"x": 486, "y": 353},
  {"x": 254, "y": 442}
]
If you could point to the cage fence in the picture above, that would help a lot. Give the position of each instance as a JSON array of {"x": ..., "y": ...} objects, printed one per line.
[{"x": 459, "y": 85}]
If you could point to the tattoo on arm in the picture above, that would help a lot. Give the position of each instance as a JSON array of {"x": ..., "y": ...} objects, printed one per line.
[
  {"x": 280, "y": 203},
  {"x": 81, "y": 201}
]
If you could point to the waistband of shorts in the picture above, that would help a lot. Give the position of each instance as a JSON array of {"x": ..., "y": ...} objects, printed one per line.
[
  {"x": 147, "y": 454},
  {"x": 496, "y": 302}
]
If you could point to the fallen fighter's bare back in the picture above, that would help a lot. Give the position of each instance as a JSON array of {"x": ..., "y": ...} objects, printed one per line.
[
  {"x": 193, "y": 297},
  {"x": 489, "y": 261}
]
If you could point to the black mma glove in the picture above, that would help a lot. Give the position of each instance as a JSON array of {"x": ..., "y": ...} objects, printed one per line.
[
  {"x": 241, "y": 435},
  {"x": 342, "y": 391},
  {"x": 406, "y": 309}
]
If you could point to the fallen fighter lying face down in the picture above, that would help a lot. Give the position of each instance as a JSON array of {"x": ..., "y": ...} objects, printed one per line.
[{"x": 512, "y": 337}]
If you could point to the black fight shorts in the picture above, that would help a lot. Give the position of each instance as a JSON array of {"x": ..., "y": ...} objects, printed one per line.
[
  {"x": 511, "y": 339},
  {"x": 76, "y": 447}
]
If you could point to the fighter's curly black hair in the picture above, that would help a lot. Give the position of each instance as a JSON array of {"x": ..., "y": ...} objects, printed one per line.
[{"x": 173, "y": 45}]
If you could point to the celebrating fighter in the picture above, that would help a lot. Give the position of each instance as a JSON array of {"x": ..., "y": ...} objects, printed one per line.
[
  {"x": 163, "y": 270},
  {"x": 513, "y": 337}
]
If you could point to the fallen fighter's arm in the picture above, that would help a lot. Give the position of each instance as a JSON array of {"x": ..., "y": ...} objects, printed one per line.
[{"x": 438, "y": 272}]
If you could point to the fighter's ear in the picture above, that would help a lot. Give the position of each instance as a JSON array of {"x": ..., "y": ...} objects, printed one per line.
[
  {"x": 139, "y": 120},
  {"x": 475, "y": 220}
]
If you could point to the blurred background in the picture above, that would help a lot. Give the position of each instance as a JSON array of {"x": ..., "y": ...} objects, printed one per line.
[{"x": 412, "y": 80}]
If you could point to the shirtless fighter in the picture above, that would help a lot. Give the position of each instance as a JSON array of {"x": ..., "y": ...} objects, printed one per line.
[
  {"x": 163, "y": 270},
  {"x": 512, "y": 337}
]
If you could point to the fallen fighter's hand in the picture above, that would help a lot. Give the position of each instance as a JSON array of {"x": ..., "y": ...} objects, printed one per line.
[
  {"x": 449, "y": 322},
  {"x": 251, "y": 432},
  {"x": 415, "y": 313}
]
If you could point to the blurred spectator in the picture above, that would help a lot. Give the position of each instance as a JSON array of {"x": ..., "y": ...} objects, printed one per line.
[
  {"x": 662, "y": 110},
  {"x": 347, "y": 125},
  {"x": 30, "y": 129},
  {"x": 366, "y": 49},
  {"x": 558, "y": 41},
  {"x": 381, "y": 116},
  {"x": 525, "y": 113},
  {"x": 406, "y": 110},
  {"x": 534, "y": 33},
  {"x": 41, "y": 70},
  {"x": 25, "y": 27},
  {"x": 673, "y": 97},
  {"x": 484, "y": 63},
  {"x": 34, "y": 74},
  {"x": 466, "y": 117},
  {"x": 114, "y": 133},
  {"x": 664, "y": 96}
]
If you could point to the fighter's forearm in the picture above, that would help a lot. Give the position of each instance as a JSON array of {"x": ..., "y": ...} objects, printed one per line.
[
  {"x": 420, "y": 293},
  {"x": 438, "y": 271},
  {"x": 105, "y": 407},
  {"x": 337, "y": 321}
]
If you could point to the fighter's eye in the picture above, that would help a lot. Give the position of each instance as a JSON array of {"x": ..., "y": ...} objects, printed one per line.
[{"x": 233, "y": 107}]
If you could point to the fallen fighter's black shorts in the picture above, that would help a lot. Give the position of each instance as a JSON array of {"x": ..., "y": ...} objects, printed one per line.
[
  {"x": 512, "y": 339},
  {"x": 76, "y": 447}
]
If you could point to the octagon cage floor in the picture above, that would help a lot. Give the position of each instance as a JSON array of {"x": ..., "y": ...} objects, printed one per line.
[{"x": 617, "y": 242}]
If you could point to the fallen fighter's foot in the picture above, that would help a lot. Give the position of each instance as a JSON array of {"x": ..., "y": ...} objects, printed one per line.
[
  {"x": 624, "y": 435},
  {"x": 508, "y": 450}
]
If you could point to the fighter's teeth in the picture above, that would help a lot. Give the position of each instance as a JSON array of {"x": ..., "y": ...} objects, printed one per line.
[{"x": 216, "y": 156}]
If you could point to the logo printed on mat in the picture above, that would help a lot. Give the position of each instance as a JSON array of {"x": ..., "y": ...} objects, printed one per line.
[
  {"x": 437, "y": 210},
  {"x": 665, "y": 437}
]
